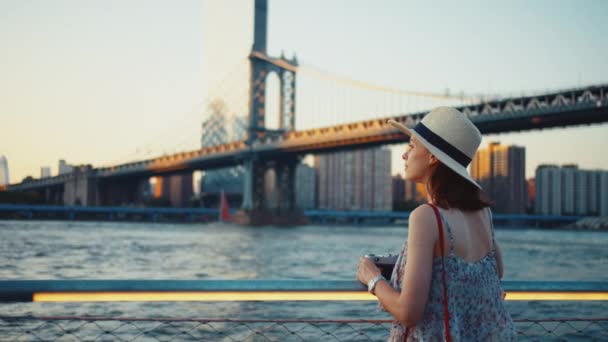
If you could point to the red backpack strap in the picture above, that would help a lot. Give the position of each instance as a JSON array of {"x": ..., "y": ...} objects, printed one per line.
[{"x": 446, "y": 313}]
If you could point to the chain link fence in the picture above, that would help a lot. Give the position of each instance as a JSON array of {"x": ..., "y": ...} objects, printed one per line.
[{"x": 31, "y": 328}]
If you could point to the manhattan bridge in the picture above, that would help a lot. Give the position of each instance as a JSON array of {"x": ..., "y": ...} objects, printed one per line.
[{"x": 348, "y": 115}]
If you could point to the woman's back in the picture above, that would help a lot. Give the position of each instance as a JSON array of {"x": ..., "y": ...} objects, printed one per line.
[
  {"x": 474, "y": 296},
  {"x": 471, "y": 233}
]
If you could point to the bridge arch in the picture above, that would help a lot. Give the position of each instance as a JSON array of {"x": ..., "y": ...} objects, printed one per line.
[
  {"x": 270, "y": 188},
  {"x": 272, "y": 103},
  {"x": 264, "y": 69}
]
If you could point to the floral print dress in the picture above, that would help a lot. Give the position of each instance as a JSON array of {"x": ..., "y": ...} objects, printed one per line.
[{"x": 474, "y": 296}]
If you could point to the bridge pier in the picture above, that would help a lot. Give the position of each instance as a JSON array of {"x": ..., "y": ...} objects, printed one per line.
[
  {"x": 286, "y": 184},
  {"x": 125, "y": 191},
  {"x": 255, "y": 209},
  {"x": 48, "y": 198},
  {"x": 54, "y": 195},
  {"x": 80, "y": 188}
]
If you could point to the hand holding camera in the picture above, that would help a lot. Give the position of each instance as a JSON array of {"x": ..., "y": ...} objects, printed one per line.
[{"x": 385, "y": 263}]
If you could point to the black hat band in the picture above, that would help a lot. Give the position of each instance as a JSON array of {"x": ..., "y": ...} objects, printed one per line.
[{"x": 441, "y": 144}]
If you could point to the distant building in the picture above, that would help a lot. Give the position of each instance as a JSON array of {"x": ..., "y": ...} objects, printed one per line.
[
  {"x": 214, "y": 128},
  {"x": 531, "y": 183},
  {"x": 45, "y": 171},
  {"x": 156, "y": 187},
  {"x": 175, "y": 188},
  {"x": 147, "y": 189},
  {"x": 500, "y": 170},
  {"x": 355, "y": 180},
  {"x": 217, "y": 129},
  {"x": 229, "y": 180},
  {"x": 581, "y": 187},
  {"x": 64, "y": 167},
  {"x": 602, "y": 193},
  {"x": 398, "y": 186},
  {"x": 593, "y": 180},
  {"x": 239, "y": 128},
  {"x": 406, "y": 194},
  {"x": 4, "y": 179},
  {"x": 548, "y": 190},
  {"x": 568, "y": 173},
  {"x": 305, "y": 186},
  {"x": 568, "y": 190},
  {"x": 415, "y": 192}
]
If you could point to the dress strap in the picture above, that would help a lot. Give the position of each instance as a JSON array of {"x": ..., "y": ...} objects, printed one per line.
[
  {"x": 491, "y": 228},
  {"x": 447, "y": 227}
]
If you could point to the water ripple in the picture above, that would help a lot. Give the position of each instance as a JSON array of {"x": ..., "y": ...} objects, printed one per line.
[{"x": 116, "y": 250}]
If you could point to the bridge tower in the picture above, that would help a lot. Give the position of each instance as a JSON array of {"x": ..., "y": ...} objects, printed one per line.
[
  {"x": 261, "y": 66},
  {"x": 255, "y": 205}
]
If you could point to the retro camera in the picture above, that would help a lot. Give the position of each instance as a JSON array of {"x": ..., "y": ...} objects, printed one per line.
[{"x": 385, "y": 263}]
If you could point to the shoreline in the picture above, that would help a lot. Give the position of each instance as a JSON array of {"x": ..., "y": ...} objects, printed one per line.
[{"x": 590, "y": 224}]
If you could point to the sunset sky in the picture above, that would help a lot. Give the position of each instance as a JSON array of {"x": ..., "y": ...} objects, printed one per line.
[{"x": 102, "y": 82}]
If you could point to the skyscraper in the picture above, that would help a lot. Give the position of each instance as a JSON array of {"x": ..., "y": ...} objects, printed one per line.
[
  {"x": 4, "y": 179},
  {"x": 548, "y": 183},
  {"x": 64, "y": 167},
  {"x": 398, "y": 185},
  {"x": 214, "y": 130},
  {"x": 593, "y": 179},
  {"x": 406, "y": 194},
  {"x": 45, "y": 172},
  {"x": 500, "y": 170},
  {"x": 581, "y": 186},
  {"x": 568, "y": 190},
  {"x": 531, "y": 184},
  {"x": 355, "y": 180},
  {"x": 305, "y": 186},
  {"x": 415, "y": 192},
  {"x": 568, "y": 173},
  {"x": 602, "y": 193}
]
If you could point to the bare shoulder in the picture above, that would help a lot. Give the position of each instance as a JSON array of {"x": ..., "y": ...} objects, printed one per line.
[
  {"x": 422, "y": 221},
  {"x": 422, "y": 214}
]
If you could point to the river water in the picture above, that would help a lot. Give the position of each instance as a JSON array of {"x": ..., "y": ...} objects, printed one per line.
[{"x": 116, "y": 250}]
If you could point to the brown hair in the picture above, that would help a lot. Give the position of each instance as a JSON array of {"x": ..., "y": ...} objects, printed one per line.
[{"x": 450, "y": 190}]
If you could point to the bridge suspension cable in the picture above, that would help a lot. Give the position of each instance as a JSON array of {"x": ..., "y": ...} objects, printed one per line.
[
  {"x": 322, "y": 74},
  {"x": 182, "y": 133},
  {"x": 325, "y": 99},
  {"x": 322, "y": 99}
]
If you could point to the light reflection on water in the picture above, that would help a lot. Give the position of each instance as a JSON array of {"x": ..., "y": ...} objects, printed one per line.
[{"x": 114, "y": 250}]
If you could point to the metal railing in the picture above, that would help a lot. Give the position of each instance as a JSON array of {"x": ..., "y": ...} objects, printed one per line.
[
  {"x": 257, "y": 290},
  {"x": 89, "y": 328},
  {"x": 33, "y": 328}
]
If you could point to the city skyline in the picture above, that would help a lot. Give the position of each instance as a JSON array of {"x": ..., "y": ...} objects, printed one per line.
[
  {"x": 568, "y": 190},
  {"x": 94, "y": 93},
  {"x": 499, "y": 170},
  {"x": 4, "y": 171},
  {"x": 354, "y": 180}
]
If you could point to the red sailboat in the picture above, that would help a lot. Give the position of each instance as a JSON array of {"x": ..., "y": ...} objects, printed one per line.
[{"x": 224, "y": 209}]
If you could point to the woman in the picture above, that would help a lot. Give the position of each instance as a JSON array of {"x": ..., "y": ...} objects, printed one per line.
[{"x": 460, "y": 278}]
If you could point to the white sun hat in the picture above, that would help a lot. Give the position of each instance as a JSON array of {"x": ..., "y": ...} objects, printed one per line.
[{"x": 449, "y": 135}]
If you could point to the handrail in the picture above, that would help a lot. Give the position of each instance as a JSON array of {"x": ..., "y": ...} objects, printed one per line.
[{"x": 257, "y": 290}]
